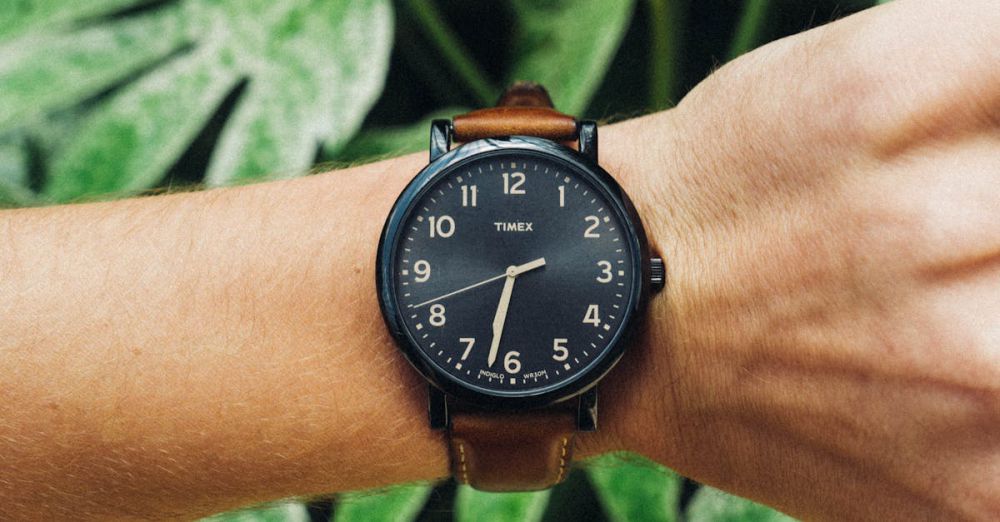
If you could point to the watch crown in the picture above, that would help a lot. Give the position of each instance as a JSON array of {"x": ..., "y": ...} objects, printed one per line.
[{"x": 657, "y": 274}]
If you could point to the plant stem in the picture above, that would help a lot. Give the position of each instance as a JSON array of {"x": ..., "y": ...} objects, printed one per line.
[
  {"x": 750, "y": 25},
  {"x": 425, "y": 66},
  {"x": 451, "y": 49},
  {"x": 665, "y": 32}
]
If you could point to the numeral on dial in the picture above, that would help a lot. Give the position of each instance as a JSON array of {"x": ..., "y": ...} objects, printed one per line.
[
  {"x": 437, "y": 315},
  {"x": 512, "y": 182},
  {"x": 469, "y": 193},
  {"x": 593, "y": 315},
  {"x": 443, "y": 226},
  {"x": 560, "y": 352},
  {"x": 562, "y": 195},
  {"x": 594, "y": 223},
  {"x": 469, "y": 343},
  {"x": 423, "y": 270},
  {"x": 606, "y": 275},
  {"x": 510, "y": 362}
]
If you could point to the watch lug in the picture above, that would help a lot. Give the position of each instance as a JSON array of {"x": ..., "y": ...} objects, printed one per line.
[
  {"x": 586, "y": 413},
  {"x": 587, "y": 130},
  {"x": 437, "y": 408},
  {"x": 440, "y": 138}
]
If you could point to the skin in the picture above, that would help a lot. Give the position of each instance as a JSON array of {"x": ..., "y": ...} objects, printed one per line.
[{"x": 828, "y": 342}]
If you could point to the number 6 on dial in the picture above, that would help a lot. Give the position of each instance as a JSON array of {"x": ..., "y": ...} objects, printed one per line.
[{"x": 510, "y": 362}]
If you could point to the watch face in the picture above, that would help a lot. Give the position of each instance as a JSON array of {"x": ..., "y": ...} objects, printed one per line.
[{"x": 512, "y": 270}]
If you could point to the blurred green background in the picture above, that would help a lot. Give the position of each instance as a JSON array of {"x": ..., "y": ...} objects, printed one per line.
[{"x": 109, "y": 98}]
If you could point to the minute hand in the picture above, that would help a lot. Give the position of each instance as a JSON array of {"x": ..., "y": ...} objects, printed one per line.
[{"x": 501, "y": 316}]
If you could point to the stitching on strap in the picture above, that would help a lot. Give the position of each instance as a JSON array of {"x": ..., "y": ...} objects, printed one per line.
[
  {"x": 562, "y": 459},
  {"x": 461, "y": 459}
]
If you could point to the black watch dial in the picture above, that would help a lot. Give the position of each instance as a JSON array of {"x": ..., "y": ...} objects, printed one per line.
[{"x": 514, "y": 272}]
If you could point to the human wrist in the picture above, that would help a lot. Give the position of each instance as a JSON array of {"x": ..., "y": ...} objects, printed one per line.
[
  {"x": 643, "y": 398},
  {"x": 366, "y": 379}
]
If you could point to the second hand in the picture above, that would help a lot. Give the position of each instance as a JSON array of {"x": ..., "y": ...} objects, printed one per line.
[
  {"x": 460, "y": 290},
  {"x": 530, "y": 265}
]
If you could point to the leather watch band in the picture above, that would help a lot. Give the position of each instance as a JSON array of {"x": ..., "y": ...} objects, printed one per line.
[
  {"x": 522, "y": 451},
  {"x": 524, "y": 109},
  {"x": 513, "y": 451}
]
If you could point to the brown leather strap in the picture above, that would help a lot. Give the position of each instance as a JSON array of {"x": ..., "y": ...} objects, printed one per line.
[
  {"x": 521, "y": 451},
  {"x": 524, "y": 109},
  {"x": 528, "y": 450}
]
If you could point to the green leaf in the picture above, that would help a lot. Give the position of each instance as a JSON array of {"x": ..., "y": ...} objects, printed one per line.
[
  {"x": 473, "y": 506},
  {"x": 127, "y": 144},
  {"x": 451, "y": 50},
  {"x": 315, "y": 79},
  {"x": 312, "y": 69},
  {"x": 13, "y": 161},
  {"x": 750, "y": 26},
  {"x": 20, "y": 16},
  {"x": 632, "y": 488},
  {"x": 41, "y": 72},
  {"x": 712, "y": 505},
  {"x": 567, "y": 46},
  {"x": 396, "y": 504},
  {"x": 282, "y": 512},
  {"x": 387, "y": 142},
  {"x": 665, "y": 33},
  {"x": 14, "y": 189}
]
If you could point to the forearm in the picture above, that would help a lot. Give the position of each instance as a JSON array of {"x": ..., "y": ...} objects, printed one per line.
[
  {"x": 189, "y": 353},
  {"x": 223, "y": 345}
]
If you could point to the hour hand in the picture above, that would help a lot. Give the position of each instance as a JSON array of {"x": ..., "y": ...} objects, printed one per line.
[{"x": 530, "y": 265}]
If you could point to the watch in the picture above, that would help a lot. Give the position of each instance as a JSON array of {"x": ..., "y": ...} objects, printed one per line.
[{"x": 512, "y": 272}]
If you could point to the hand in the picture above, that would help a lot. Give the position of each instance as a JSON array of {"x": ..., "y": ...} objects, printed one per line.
[
  {"x": 831, "y": 330},
  {"x": 531, "y": 265},
  {"x": 501, "y": 315}
]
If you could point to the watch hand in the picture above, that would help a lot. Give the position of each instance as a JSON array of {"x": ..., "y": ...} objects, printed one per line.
[
  {"x": 530, "y": 265},
  {"x": 501, "y": 316},
  {"x": 460, "y": 290}
]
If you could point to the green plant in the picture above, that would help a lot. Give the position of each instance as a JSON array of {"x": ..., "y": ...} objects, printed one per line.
[
  {"x": 107, "y": 98},
  {"x": 628, "y": 488}
]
